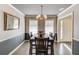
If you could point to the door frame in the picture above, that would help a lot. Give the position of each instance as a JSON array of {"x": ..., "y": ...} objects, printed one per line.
[{"x": 72, "y": 15}]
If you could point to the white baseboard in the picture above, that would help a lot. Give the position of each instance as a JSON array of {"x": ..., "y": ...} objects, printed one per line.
[
  {"x": 16, "y": 48},
  {"x": 64, "y": 41},
  {"x": 26, "y": 40}
]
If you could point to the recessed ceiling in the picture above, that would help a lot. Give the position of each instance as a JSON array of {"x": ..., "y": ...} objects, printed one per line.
[{"x": 34, "y": 9}]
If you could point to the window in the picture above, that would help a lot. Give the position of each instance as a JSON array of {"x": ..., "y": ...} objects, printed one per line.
[
  {"x": 49, "y": 26},
  {"x": 33, "y": 26}
]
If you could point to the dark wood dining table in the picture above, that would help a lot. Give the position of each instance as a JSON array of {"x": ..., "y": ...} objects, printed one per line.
[{"x": 51, "y": 41}]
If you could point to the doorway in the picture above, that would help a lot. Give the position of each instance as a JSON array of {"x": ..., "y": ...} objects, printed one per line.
[{"x": 66, "y": 30}]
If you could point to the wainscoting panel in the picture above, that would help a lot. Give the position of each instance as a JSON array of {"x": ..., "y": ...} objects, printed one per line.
[
  {"x": 7, "y": 46},
  {"x": 75, "y": 47}
]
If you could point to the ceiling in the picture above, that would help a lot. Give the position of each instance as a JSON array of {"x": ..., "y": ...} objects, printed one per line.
[{"x": 34, "y": 9}]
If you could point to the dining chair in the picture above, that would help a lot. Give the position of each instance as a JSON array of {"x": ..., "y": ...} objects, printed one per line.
[
  {"x": 51, "y": 44},
  {"x": 51, "y": 47},
  {"x": 55, "y": 36},
  {"x": 50, "y": 34},
  {"x": 41, "y": 46},
  {"x": 32, "y": 46}
]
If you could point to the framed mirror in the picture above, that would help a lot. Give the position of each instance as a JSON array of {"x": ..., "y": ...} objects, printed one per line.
[{"x": 11, "y": 22}]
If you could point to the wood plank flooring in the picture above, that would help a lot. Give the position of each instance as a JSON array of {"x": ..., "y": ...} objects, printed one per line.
[{"x": 59, "y": 49}]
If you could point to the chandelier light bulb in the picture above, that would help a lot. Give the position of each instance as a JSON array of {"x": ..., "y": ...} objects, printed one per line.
[{"x": 41, "y": 16}]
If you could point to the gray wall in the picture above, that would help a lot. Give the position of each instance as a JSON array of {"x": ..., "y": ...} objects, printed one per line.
[
  {"x": 75, "y": 46},
  {"x": 10, "y": 39},
  {"x": 10, "y": 33},
  {"x": 7, "y": 46}
]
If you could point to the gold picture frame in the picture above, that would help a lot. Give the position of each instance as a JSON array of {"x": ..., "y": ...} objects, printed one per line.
[{"x": 11, "y": 22}]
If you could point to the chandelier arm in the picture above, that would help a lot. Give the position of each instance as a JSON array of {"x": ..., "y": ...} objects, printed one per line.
[{"x": 41, "y": 16}]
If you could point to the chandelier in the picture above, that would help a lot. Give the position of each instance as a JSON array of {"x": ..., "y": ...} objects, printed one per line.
[{"x": 41, "y": 16}]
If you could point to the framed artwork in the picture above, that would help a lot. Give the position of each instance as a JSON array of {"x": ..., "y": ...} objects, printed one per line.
[{"x": 11, "y": 22}]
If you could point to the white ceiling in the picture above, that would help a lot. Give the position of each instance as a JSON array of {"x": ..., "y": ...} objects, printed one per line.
[{"x": 34, "y": 9}]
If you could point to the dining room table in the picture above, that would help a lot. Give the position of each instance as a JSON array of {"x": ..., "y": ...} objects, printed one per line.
[{"x": 50, "y": 45}]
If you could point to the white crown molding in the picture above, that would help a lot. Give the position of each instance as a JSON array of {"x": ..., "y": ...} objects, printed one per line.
[
  {"x": 16, "y": 9},
  {"x": 69, "y": 14},
  {"x": 66, "y": 9}
]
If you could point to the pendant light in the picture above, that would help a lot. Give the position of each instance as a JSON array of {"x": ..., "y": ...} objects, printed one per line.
[{"x": 41, "y": 16}]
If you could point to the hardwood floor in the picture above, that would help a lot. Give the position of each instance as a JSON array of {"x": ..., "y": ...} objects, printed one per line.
[
  {"x": 23, "y": 50},
  {"x": 59, "y": 49},
  {"x": 69, "y": 44}
]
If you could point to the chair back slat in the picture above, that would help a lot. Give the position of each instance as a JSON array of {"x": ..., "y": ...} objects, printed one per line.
[{"x": 41, "y": 44}]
